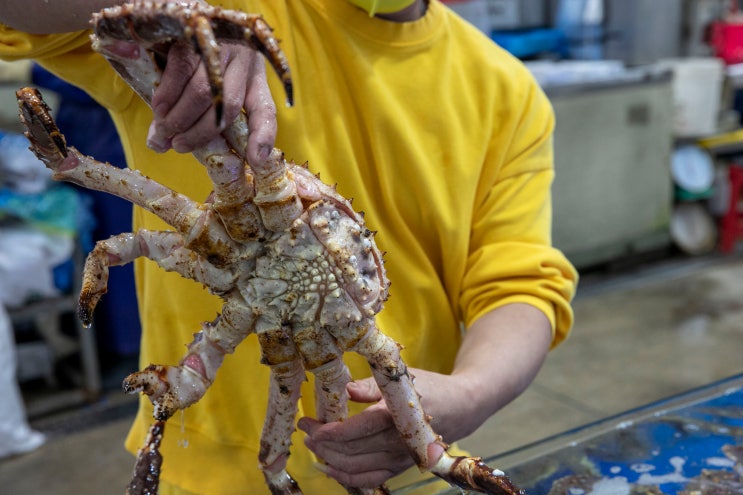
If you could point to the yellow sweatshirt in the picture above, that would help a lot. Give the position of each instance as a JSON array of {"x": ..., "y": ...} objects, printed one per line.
[{"x": 443, "y": 140}]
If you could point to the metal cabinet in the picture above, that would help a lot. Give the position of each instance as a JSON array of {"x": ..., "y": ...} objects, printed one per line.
[{"x": 612, "y": 194}]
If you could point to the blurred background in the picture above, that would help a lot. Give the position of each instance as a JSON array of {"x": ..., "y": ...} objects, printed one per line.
[{"x": 648, "y": 96}]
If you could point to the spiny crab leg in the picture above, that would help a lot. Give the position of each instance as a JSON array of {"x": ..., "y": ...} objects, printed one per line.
[
  {"x": 194, "y": 221},
  {"x": 284, "y": 394},
  {"x": 275, "y": 193},
  {"x": 165, "y": 248},
  {"x": 403, "y": 402},
  {"x": 202, "y": 24},
  {"x": 146, "y": 477}
]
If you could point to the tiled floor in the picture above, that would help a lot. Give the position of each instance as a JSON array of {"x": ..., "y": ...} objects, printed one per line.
[{"x": 641, "y": 335}]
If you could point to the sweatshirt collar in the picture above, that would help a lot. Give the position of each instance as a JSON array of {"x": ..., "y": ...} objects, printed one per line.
[{"x": 383, "y": 32}]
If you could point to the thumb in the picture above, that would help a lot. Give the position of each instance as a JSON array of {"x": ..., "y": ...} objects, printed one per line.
[{"x": 365, "y": 390}]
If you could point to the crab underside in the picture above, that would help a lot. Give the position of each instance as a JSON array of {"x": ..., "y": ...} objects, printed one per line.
[{"x": 293, "y": 262}]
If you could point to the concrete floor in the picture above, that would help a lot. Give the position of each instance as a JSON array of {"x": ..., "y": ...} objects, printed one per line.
[{"x": 642, "y": 334}]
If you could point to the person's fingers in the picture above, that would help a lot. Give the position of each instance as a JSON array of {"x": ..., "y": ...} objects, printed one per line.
[
  {"x": 182, "y": 63},
  {"x": 261, "y": 110},
  {"x": 360, "y": 426},
  {"x": 364, "y": 391},
  {"x": 365, "y": 452},
  {"x": 191, "y": 121},
  {"x": 368, "y": 470},
  {"x": 180, "y": 100},
  {"x": 185, "y": 113}
]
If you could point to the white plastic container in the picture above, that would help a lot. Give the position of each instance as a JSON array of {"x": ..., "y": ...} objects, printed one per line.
[{"x": 697, "y": 93}]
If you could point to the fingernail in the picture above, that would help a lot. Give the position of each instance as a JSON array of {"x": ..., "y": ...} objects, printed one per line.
[
  {"x": 323, "y": 468},
  {"x": 263, "y": 152},
  {"x": 181, "y": 146},
  {"x": 302, "y": 425},
  {"x": 154, "y": 142}
]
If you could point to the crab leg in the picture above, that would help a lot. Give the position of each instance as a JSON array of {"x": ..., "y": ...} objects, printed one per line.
[
  {"x": 396, "y": 385},
  {"x": 171, "y": 388},
  {"x": 287, "y": 375},
  {"x": 322, "y": 356},
  {"x": 202, "y": 232},
  {"x": 284, "y": 393},
  {"x": 165, "y": 248},
  {"x": 202, "y": 25},
  {"x": 233, "y": 189},
  {"x": 330, "y": 391},
  {"x": 176, "y": 387},
  {"x": 332, "y": 405},
  {"x": 146, "y": 476}
]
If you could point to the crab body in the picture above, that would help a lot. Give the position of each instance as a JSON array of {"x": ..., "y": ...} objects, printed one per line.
[{"x": 293, "y": 262}]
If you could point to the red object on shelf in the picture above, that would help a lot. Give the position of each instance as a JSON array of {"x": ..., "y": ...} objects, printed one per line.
[
  {"x": 731, "y": 224},
  {"x": 726, "y": 40}
]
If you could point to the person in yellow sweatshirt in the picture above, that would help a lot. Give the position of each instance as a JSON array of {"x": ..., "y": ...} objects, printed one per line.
[{"x": 444, "y": 141}]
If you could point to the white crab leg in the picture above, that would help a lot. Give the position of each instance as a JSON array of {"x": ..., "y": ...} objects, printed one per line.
[
  {"x": 172, "y": 388},
  {"x": 176, "y": 387},
  {"x": 165, "y": 248},
  {"x": 396, "y": 386},
  {"x": 287, "y": 375},
  {"x": 276, "y": 192},
  {"x": 283, "y": 398},
  {"x": 403, "y": 402},
  {"x": 233, "y": 190},
  {"x": 323, "y": 357},
  {"x": 331, "y": 399}
]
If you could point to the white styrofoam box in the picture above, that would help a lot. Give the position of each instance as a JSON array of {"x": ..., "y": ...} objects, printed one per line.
[{"x": 697, "y": 93}]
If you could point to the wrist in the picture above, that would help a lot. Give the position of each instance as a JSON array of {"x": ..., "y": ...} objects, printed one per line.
[{"x": 454, "y": 402}]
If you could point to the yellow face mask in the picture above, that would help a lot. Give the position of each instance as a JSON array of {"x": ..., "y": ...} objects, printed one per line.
[{"x": 382, "y": 6}]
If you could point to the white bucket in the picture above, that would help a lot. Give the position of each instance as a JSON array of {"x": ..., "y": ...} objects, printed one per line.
[{"x": 697, "y": 91}]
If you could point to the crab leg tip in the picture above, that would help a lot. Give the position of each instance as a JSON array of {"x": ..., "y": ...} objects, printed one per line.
[
  {"x": 219, "y": 110},
  {"x": 289, "y": 88}
]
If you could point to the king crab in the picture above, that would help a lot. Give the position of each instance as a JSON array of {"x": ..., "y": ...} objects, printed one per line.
[{"x": 292, "y": 260}]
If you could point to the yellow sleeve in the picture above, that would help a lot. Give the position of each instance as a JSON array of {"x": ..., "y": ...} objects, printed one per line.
[
  {"x": 16, "y": 45},
  {"x": 511, "y": 258},
  {"x": 70, "y": 57}
]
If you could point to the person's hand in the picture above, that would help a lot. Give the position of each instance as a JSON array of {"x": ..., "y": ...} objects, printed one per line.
[
  {"x": 366, "y": 450},
  {"x": 184, "y": 113}
]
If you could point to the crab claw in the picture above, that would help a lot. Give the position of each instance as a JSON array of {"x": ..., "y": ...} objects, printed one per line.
[
  {"x": 170, "y": 388},
  {"x": 471, "y": 473},
  {"x": 47, "y": 142},
  {"x": 94, "y": 285}
]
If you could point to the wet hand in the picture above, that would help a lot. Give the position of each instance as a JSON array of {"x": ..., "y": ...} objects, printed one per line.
[
  {"x": 185, "y": 116},
  {"x": 366, "y": 450}
]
